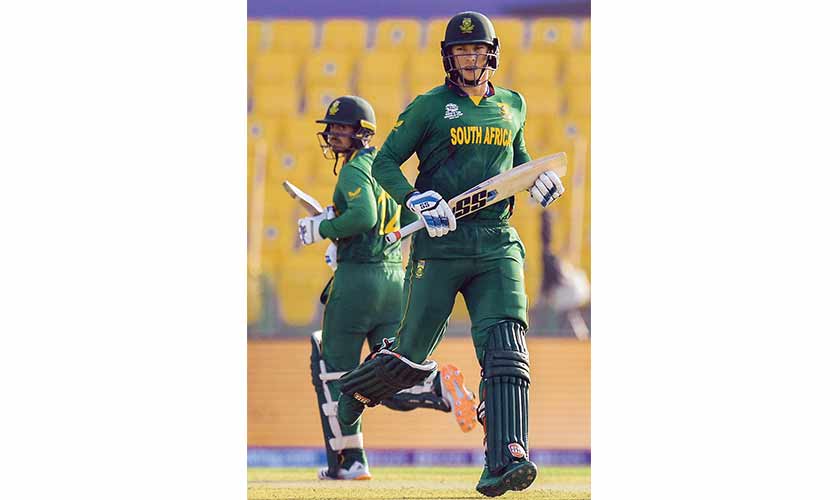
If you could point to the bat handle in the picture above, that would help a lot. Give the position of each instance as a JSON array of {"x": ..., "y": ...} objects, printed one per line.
[{"x": 403, "y": 232}]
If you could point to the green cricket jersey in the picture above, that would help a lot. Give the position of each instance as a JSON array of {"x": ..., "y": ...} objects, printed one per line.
[
  {"x": 460, "y": 143},
  {"x": 364, "y": 214}
]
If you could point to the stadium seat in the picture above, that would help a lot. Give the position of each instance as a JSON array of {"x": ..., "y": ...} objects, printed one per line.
[
  {"x": 276, "y": 100},
  {"x": 576, "y": 68},
  {"x": 435, "y": 31},
  {"x": 318, "y": 97},
  {"x": 276, "y": 68},
  {"x": 552, "y": 34},
  {"x": 328, "y": 67},
  {"x": 292, "y": 35},
  {"x": 425, "y": 71},
  {"x": 542, "y": 99},
  {"x": 255, "y": 36},
  {"x": 382, "y": 67},
  {"x": 344, "y": 36},
  {"x": 578, "y": 99},
  {"x": 581, "y": 34},
  {"x": 384, "y": 98},
  {"x": 535, "y": 68},
  {"x": 398, "y": 34}
]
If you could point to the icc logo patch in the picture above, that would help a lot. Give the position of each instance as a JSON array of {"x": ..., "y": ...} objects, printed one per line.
[
  {"x": 452, "y": 111},
  {"x": 516, "y": 450},
  {"x": 419, "y": 269}
]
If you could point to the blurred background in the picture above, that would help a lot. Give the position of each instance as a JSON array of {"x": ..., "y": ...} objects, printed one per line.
[{"x": 303, "y": 55}]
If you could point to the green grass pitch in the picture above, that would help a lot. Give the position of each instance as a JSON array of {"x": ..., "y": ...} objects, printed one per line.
[{"x": 415, "y": 483}]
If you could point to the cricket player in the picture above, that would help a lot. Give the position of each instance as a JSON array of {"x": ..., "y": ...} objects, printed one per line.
[
  {"x": 463, "y": 132},
  {"x": 364, "y": 299}
]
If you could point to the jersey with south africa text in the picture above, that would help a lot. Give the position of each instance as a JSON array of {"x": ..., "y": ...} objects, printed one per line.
[{"x": 460, "y": 140}]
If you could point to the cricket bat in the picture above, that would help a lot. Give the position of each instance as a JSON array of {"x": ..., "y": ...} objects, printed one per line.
[
  {"x": 309, "y": 203},
  {"x": 494, "y": 190}
]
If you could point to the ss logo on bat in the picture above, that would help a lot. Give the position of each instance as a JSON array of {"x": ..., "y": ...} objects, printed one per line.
[{"x": 470, "y": 204}]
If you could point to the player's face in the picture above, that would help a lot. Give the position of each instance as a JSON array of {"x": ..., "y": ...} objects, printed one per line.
[
  {"x": 339, "y": 137},
  {"x": 470, "y": 59}
]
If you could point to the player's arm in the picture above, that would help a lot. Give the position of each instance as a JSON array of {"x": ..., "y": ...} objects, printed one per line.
[
  {"x": 400, "y": 144},
  {"x": 360, "y": 215}
]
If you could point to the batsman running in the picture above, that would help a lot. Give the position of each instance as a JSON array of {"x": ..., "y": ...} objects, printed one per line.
[
  {"x": 363, "y": 300},
  {"x": 463, "y": 132}
]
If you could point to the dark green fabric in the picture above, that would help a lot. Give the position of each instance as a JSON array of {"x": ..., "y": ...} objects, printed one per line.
[
  {"x": 477, "y": 142},
  {"x": 365, "y": 213},
  {"x": 493, "y": 290},
  {"x": 363, "y": 304}
]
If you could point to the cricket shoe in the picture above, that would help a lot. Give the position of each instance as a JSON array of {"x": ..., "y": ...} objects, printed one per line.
[
  {"x": 460, "y": 399},
  {"x": 517, "y": 476},
  {"x": 357, "y": 472}
]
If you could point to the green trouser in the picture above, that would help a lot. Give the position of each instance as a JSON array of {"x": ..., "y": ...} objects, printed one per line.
[
  {"x": 363, "y": 304},
  {"x": 493, "y": 289}
]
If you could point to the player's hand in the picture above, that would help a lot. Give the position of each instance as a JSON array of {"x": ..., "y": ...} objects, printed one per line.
[
  {"x": 308, "y": 226},
  {"x": 331, "y": 256},
  {"x": 547, "y": 188},
  {"x": 433, "y": 211}
]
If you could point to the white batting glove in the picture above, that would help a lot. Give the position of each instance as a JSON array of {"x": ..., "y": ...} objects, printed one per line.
[
  {"x": 434, "y": 212},
  {"x": 547, "y": 188},
  {"x": 308, "y": 226},
  {"x": 331, "y": 256}
]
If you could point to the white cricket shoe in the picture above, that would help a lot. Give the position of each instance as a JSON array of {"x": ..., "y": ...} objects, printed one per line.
[{"x": 358, "y": 471}]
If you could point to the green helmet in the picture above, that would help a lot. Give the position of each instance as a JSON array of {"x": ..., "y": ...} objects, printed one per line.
[
  {"x": 347, "y": 110},
  {"x": 469, "y": 27}
]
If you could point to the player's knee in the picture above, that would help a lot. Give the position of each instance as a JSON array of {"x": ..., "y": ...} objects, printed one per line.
[{"x": 506, "y": 353}]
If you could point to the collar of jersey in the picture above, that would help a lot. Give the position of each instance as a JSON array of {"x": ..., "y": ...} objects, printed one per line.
[{"x": 490, "y": 90}]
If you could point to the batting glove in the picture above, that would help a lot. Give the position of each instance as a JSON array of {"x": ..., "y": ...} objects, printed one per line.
[
  {"x": 433, "y": 211},
  {"x": 331, "y": 256},
  {"x": 308, "y": 226},
  {"x": 547, "y": 188}
]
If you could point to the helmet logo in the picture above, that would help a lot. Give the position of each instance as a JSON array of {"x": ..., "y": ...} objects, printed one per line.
[
  {"x": 466, "y": 25},
  {"x": 334, "y": 108}
]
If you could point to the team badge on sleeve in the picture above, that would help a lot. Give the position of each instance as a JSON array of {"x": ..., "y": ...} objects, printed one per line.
[{"x": 354, "y": 194}]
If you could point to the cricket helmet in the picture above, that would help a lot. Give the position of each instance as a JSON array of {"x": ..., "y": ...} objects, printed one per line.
[
  {"x": 347, "y": 110},
  {"x": 469, "y": 27}
]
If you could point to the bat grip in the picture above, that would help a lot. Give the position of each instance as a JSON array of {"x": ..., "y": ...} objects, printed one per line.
[{"x": 403, "y": 232}]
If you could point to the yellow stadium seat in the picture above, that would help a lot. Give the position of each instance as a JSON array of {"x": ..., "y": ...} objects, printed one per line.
[
  {"x": 298, "y": 132},
  {"x": 578, "y": 99},
  {"x": 292, "y": 35},
  {"x": 582, "y": 38},
  {"x": 542, "y": 99},
  {"x": 318, "y": 97},
  {"x": 329, "y": 67},
  {"x": 435, "y": 31},
  {"x": 425, "y": 71},
  {"x": 276, "y": 100},
  {"x": 535, "y": 68},
  {"x": 255, "y": 36},
  {"x": 344, "y": 35},
  {"x": 511, "y": 34},
  {"x": 400, "y": 34},
  {"x": 383, "y": 97},
  {"x": 576, "y": 68},
  {"x": 535, "y": 131},
  {"x": 552, "y": 33},
  {"x": 274, "y": 68},
  {"x": 382, "y": 67}
]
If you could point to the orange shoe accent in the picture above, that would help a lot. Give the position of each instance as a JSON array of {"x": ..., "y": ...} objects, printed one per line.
[{"x": 459, "y": 397}]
